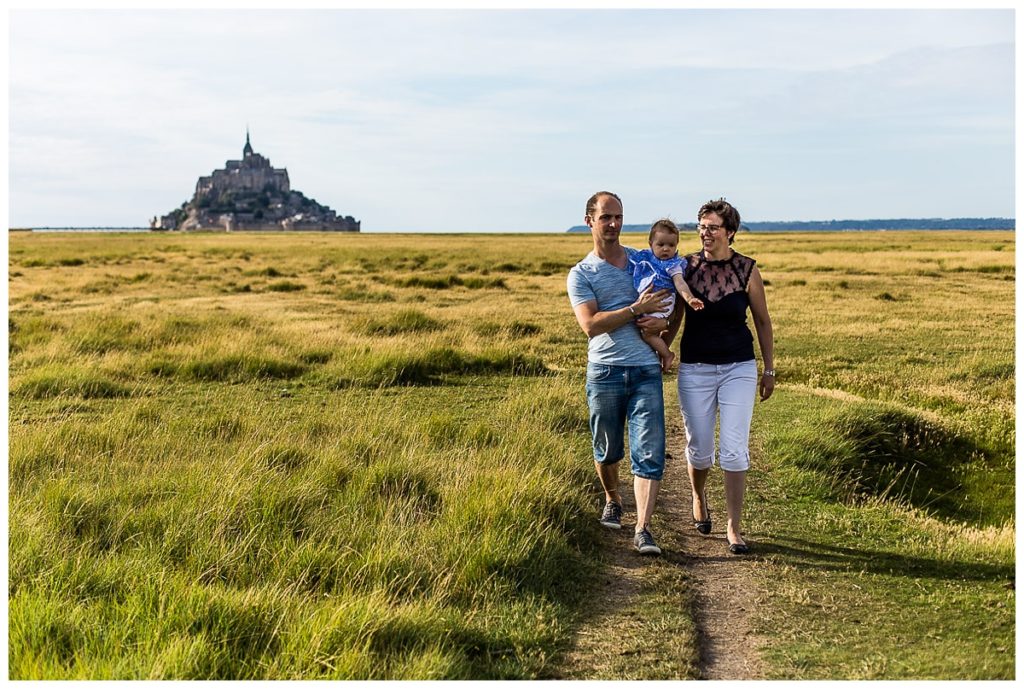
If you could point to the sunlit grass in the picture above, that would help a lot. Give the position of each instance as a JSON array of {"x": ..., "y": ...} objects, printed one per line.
[{"x": 353, "y": 457}]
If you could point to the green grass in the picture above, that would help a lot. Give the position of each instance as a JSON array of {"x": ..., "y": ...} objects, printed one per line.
[
  {"x": 872, "y": 532},
  {"x": 365, "y": 457},
  {"x": 364, "y": 522}
]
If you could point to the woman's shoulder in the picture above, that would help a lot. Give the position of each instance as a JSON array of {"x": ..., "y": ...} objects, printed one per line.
[
  {"x": 742, "y": 259},
  {"x": 744, "y": 265}
]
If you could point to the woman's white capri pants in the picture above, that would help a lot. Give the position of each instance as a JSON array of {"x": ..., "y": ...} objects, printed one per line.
[{"x": 727, "y": 391}]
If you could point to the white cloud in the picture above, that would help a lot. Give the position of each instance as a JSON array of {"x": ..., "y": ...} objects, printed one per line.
[{"x": 429, "y": 119}]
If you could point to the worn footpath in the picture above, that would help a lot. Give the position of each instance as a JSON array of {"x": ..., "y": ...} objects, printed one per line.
[{"x": 683, "y": 615}]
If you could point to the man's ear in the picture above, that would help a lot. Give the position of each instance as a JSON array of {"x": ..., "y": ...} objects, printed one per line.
[{"x": 588, "y": 221}]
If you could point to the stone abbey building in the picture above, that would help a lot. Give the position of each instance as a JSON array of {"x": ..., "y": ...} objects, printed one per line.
[{"x": 251, "y": 194}]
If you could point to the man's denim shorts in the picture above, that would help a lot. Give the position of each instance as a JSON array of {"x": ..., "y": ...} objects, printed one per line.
[{"x": 617, "y": 394}]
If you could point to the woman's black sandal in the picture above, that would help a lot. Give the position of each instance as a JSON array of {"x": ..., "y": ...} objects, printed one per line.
[
  {"x": 704, "y": 526},
  {"x": 739, "y": 548}
]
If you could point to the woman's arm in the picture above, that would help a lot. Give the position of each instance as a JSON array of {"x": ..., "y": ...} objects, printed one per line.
[
  {"x": 594, "y": 322},
  {"x": 763, "y": 326}
]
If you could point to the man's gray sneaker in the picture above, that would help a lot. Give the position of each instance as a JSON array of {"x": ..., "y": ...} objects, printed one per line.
[
  {"x": 644, "y": 542},
  {"x": 612, "y": 515}
]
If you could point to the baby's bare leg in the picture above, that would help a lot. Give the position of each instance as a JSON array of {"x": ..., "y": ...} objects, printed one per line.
[
  {"x": 656, "y": 342},
  {"x": 664, "y": 353}
]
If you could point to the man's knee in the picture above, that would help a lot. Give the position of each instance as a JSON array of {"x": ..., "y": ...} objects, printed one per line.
[
  {"x": 650, "y": 474},
  {"x": 648, "y": 461}
]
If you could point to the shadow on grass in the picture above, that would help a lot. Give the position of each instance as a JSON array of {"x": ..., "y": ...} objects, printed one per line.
[{"x": 796, "y": 551}]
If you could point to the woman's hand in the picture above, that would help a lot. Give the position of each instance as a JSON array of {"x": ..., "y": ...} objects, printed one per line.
[{"x": 767, "y": 386}]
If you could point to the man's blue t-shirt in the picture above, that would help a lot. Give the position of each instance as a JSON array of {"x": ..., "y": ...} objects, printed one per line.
[{"x": 594, "y": 279}]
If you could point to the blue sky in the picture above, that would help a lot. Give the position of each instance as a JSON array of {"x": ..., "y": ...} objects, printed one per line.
[{"x": 506, "y": 120}]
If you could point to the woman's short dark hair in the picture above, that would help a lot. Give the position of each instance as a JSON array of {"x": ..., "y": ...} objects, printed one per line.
[
  {"x": 592, "y": 201},
  {"x": 665, "y": 225},
  {"x": 725, "y": 210}
]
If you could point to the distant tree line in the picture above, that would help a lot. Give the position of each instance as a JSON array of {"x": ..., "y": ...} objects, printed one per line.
[{"x": 847, "y": 225}]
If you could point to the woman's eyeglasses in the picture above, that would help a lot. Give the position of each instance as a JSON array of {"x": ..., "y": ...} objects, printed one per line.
[{"x": 710, "y": 228}]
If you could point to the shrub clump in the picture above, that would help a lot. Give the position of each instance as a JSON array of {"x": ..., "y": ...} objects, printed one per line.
[
  {"x": 53, "y": 382},
  {"x": 286, "y": 286},
  {"x": 447, "y": 281},
  {"x": 515, "y": 329},
  {"x": 404, "y": 321},
  {"x": 550, "y": 268},
  {"x": 233, "y": 368},
  {"x": 364, "y": 295},
  {"x": 508, "y": 268},
  {"x": 316, "y": 356},
  {"x": 432, "y": 366}
]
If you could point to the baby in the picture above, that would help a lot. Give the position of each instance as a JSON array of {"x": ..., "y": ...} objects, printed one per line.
[{"x": 661, "y": 267}]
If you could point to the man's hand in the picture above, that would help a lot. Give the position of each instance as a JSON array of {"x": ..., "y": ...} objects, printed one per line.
[
  {"x": 651, "y": 301},
  {"x": 651, "y": 325}
]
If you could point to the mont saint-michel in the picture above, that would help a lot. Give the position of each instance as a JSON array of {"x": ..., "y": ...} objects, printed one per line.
[{"x": 251, "y": 194}]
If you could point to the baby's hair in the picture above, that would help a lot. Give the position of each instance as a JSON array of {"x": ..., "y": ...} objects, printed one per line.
[{"x": 665, "y": 225}]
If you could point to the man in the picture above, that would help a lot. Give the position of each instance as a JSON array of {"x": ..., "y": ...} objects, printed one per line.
[{"x": 623, "y": 372}]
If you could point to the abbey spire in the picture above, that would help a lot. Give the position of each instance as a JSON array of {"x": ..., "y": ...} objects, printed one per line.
[{"x": 247, "y": 151}]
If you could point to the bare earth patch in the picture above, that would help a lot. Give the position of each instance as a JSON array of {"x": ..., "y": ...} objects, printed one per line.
[{"x": 685, "y": 615}]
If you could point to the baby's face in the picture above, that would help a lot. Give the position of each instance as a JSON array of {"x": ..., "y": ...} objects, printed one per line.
[{"x": 663, "y": 244}]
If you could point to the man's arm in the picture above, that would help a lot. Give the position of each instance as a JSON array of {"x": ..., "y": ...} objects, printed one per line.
[{"x": 594, "y": 322}]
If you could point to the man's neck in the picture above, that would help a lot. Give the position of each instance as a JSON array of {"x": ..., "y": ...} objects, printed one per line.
[{"x": 612, "y": 252}]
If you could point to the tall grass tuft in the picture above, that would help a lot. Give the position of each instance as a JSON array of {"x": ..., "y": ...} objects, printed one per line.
[
  {"x": 285, "y": 286},
  {"x": 229, "y": 368},
  {"x": 514, "y": 329},
  {"x": 434, "y": 366},
  {"x": 402, "y": 321},
  {"x": 57, "y": 380},
  {"x": 448, "y": 281}
]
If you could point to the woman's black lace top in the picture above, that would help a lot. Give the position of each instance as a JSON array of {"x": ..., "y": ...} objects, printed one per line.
[{"x": 717, "y": 334}]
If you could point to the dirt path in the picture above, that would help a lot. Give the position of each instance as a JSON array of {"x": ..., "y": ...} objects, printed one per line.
[{"x": 696, "y": 578}]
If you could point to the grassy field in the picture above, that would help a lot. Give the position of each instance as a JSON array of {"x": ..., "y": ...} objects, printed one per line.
[{"x": 337, "y": 456}]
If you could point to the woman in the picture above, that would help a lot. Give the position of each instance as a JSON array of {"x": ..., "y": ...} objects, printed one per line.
[{"x": 717, "y": 370}]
